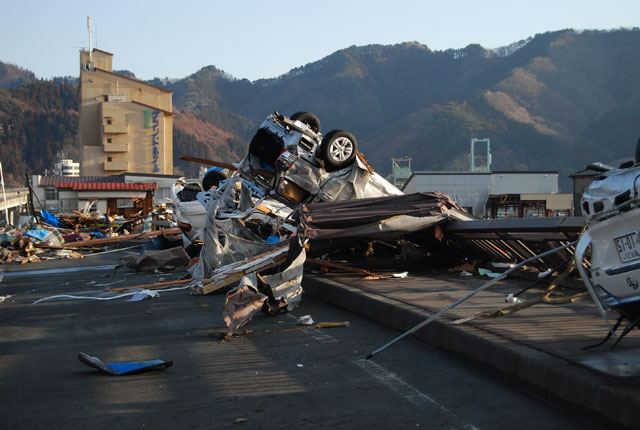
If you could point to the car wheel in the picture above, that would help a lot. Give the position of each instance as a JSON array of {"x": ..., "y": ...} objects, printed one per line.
[
  {"x": 308, "y": 118},
  {"x": 338, "y": 150}
]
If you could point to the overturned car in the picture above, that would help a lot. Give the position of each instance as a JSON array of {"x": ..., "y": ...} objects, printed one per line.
[
  {"x": 291, "y": 161},
  {"x": 251, "y": 214},
  {"x": 255, "y": 224},
  {"x": 288, "y": 161}
]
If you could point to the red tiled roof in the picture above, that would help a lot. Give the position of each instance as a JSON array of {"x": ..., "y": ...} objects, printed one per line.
[
  {"x": 108, "y": 186},
  {"x": 52, "y": 181}
]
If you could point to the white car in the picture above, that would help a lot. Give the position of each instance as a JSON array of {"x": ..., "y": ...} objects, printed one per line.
[
  {"x": 294, "y": 163},
  {"x": 290, "y": 161},
  {"x": 300, "y": 135},
  {"x": 612, "y": 211},
  {"x": 188, "y": 212}
]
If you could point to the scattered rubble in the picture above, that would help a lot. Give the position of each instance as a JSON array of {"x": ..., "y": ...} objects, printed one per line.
[
  {"x": 297, "y": 200},
  {"x": 50, "y": 236}
]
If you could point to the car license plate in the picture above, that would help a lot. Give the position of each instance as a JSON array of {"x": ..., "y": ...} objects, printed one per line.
[{"x": 628, "y": 247}]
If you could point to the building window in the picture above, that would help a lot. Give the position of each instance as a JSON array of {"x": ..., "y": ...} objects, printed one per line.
[
  {"x": 109, "y": 159},
  {"x": 50, "y": 194},
  {"x": 109, "y": 121},
  {"x": 108, "y": 140}
]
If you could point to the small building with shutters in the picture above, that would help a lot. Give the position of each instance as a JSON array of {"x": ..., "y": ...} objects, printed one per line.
[{"x": 110, "y": 195}]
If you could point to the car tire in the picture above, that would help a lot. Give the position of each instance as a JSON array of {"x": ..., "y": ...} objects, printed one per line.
[
  {"x": 338, "y": 150},
  {"x": 308, "y": 118}
]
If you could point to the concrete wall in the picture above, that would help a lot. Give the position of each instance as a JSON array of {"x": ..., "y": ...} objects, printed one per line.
[{"x": 524, "y": 182}]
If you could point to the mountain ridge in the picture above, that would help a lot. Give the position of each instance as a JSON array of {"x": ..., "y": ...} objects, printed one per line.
[{"x": 554, "y": 101}]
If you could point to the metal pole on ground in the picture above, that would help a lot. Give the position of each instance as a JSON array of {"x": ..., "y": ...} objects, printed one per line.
[{"x": 471, "y": 294}]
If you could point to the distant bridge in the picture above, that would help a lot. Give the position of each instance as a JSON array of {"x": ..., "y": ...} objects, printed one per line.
[{"x": 16, "y": 200}]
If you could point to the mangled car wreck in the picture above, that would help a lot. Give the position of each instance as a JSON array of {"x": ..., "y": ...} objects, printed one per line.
[
  {"x": 259, "y": 218},
  {"x": 612, "y": 241},
  {"x": 292, "y": 162}
]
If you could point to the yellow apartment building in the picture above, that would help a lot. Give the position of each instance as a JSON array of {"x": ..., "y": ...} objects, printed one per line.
[{"x": 126, "y": 125}]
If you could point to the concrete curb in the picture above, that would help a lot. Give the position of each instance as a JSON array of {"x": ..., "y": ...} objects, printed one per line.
[{"x": 606, "y": 395}]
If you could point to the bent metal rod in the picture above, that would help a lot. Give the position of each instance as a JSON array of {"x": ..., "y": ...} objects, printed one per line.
[{"x": 471, "y": 294}]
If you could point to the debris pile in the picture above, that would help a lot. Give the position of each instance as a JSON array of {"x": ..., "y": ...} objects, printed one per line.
[
  {"x": 73, "y": 235},
  {"x": 249, "y": 220},
  {"x": 405, "y": 227},
  {"x": 251, "y": 226}
]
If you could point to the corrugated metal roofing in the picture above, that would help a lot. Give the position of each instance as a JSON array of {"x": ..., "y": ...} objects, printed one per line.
[
  {"x": 351, "y": 213},
  {"x": 515, "y": 239},
  {"x": 52, "y": 181},
  {"x": 108, "y": 186},
  {"x": 346, "y": 219}
]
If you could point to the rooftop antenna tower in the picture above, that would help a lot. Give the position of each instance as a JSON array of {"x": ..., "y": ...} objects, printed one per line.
[
  {"x": 400, "y": 170},
  {"x": 90, "y": 28},
  {"x": 481, "y": 157}
]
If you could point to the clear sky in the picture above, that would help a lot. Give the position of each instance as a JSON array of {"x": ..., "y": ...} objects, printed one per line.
[{"x": 264, "y": 39}]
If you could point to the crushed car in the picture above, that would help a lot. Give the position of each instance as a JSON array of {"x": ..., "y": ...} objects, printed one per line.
[
  {"x": 253, "y": 211},
  {"x": 291, "y": 161},
  {"x": 611, "y": 243},
  {"x": 288, "y": 161},
  {"x": 188, "y": 211}
]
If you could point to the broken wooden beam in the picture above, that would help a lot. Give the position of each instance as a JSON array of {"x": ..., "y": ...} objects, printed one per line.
[
  {"x": 115, "y": 239},
  {"x": 235, "y": 271},
  {"x": 156, "y": 285},
  {"x": 227, "y": 166},
  {"x": 304, "y": 327},
  {"x": 222, "y": 165},
  {"x": 341, "y": 267}
]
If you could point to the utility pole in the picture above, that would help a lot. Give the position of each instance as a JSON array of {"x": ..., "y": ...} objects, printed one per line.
[
  {"x": 30, "y": 207},
  {"x": 4, "y": 195}
]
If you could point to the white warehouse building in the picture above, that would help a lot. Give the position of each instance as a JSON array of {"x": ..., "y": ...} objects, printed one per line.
[{"x": 498, "y": 194}]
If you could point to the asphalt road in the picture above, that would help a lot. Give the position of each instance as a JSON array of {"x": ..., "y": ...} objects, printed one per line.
[{"x": 300, "y": 379}]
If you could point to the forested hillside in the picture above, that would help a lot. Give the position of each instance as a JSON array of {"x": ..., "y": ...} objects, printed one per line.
[
  {"x": 12, "y": 76},
  {"x": 556, "y": 101},
  {"x": 36, "y": 120},
  {"x": 40, "y": 118}
]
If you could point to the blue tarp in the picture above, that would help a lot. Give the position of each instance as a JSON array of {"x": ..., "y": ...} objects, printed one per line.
[
  {"x": 51, "y": 219},
  {"x": 5, "y": 238},
  {"x": 123, "y": 367},
  {"x": 38, "y": 233}
]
